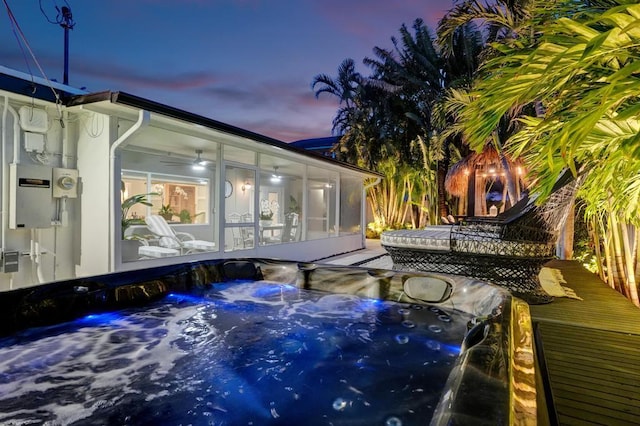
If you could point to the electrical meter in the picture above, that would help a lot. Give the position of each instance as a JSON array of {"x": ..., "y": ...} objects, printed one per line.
[{"x": 65, "y": 183}]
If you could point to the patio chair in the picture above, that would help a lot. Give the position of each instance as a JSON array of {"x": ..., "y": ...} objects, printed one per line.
[
  {"x": 247, "y": 232},
  {"x": 170, "y": 239},
  {"x": 508, "y": 250},
  {"x": 242, "y": 235}
]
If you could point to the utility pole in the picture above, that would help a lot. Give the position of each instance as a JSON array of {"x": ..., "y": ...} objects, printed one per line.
[{"x": 67, "y": 24}]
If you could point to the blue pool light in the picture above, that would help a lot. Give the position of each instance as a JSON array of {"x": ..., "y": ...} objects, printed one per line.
[
  {"x": 175, "y": 297},
  {"x": 102, "y": 318},
  {"x": 454, "y": 349}
]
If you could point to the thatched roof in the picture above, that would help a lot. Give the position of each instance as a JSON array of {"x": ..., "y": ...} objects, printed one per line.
[{"x": 457, "y": 178}]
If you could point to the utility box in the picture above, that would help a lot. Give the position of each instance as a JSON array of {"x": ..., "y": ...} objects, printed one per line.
[
  {"x": 33, "y": 142},
  {"x": 10, "y": 261},
  {"x": 29, "y": 196}
]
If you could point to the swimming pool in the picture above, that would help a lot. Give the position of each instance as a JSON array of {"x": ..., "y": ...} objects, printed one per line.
[{"x": 256, "y": 341}]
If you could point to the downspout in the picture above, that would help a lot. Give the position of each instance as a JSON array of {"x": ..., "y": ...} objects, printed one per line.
[
  {"x": 363, "y": 208},
  {"x": 5, "y": 178},
  {"x": 143, "y": 120},
  {"x": 5, "y": 198}
]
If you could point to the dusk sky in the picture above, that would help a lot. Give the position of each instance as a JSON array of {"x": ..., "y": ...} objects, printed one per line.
[{"x": 249, "y": 63}]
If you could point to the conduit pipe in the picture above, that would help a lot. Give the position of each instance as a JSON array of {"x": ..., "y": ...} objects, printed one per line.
[
  {"x": 38, "y": 258},
  {"x": 143, "y": 120},
  {"x": 35, "y": 255},
  {"x": 64, "y": 215}
]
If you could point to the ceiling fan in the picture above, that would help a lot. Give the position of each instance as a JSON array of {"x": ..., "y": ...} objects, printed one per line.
[
  {"x": 197, "y": 164},
  {"x": 275, "y": 177}
]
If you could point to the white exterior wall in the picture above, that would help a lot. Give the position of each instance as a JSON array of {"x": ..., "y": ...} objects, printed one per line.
[
  {"x": 93, "y": 167},
  {"x": 46, "y": 254}
]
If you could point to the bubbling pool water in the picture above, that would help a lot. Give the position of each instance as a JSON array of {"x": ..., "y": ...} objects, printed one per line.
[{"x": 245, "y": 353}]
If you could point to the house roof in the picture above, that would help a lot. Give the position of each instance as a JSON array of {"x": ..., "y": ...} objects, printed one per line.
[
  {"x": 38, "y": 88},
  {"x": 127, "y": 99},
  {"x": 35, "y": 87},
  {"x": 316, "y": 144}
]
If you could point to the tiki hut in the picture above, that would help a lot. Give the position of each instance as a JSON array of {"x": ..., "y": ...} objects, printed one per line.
[{"x": 479, "y": 182}]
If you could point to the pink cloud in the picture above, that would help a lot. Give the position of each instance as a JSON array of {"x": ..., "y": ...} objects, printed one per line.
[
  {"x": 369, "y": 19},
  {"x": 134, "y": 79}
]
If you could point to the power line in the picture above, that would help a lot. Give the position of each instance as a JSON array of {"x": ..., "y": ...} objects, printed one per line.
[
  {"x": 61, "y": 17},
  {"x": 22, "y": 40}
]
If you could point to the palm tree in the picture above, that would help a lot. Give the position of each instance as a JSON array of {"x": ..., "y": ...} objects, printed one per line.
[
  {"x": 461, "y": 61},
  {"x": 414, "y": 69},
  {"x": 504, "y": 22},
  {"x": 584, "y": 72},
  {"x": 388, "y": 115},
  {"x": 344, "y": 87}
]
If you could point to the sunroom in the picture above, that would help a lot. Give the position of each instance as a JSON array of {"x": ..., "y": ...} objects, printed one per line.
[{"x": 233, "y": 193}]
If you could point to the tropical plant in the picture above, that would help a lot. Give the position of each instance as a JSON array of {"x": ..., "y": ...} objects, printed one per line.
[
  {"x": 583, "y": 72},
  {"x": 127, "y": 205},
  {"x": 186, "y": 217},
  {"x": 166, "y": 211},
  {"x": 294, "y": 207}
]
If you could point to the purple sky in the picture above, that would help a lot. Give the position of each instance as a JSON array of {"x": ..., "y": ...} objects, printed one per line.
[{"x": 249, "y": 63}]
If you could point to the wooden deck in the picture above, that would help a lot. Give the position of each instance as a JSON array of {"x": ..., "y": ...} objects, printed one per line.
[{"x": 590, "y": 352}]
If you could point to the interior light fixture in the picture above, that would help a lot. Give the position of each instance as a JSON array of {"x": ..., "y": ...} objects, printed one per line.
[
  {"x": 199, "y": 163},
  {"x": 246, "y": 186},
  {"x": 275, "y": 177}
]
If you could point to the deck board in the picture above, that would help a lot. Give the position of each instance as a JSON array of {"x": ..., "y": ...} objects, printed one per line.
[{"x": 592, "y": 351}]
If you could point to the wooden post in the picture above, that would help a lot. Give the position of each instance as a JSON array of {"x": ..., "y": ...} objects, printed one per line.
[
  {"x": 564, "y": 248},
  {"x": 471, "y": 193}
]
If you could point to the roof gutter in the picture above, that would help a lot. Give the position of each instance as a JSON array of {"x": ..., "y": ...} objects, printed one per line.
[{"x": 144, "y": 117}]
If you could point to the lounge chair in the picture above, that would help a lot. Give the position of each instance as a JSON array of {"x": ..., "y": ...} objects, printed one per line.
[
  {"x": 170, "y": 239},
  {"x": 508, "y": 250}
]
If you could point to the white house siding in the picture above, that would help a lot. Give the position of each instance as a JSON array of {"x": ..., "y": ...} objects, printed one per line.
[
  {"x": 49, "y": 253},
  {"x": 93, "y": 168}
]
